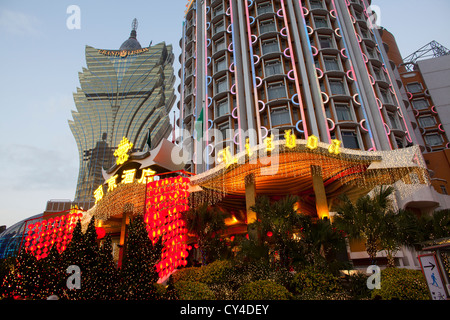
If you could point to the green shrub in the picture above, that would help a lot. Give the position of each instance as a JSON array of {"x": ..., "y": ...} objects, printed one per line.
[
  {"x": 193, "y": 290},
  {"x": 402, "y": 284},
  {"x": 310, "y": 282},
  {"x": 263, "y": 290},
  {"x": 187, "y": 274},
  {"x": 215, "y": 272},
  {"x": 357, "y": 286}
]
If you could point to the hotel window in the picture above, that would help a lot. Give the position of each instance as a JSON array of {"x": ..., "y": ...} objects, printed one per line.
[
  {"x": 365, "y": 34},
  {"x": 394, "y": 121},
  {"x": 328, "y": 112},
  {"x": 426, "y": 122},
  {"x": 220, "y": 44},
  {"x": 223, "y": 128},
  {"x": 272, "y": 67},
  {"x": 279, "y": 116},
  {"x": 372, "y": 52},
  {"x": 434, "y": 139},
  {"x": 221, "y": 85},
  {"x": 316, "y": 4},
  {"x": 385, "y": 96},
  {"x": 337, "y": 87},
  {"x": 420, "y": 104},
  {"x": 222, "y": 108},
  {"x": 400, "y": 143},
  {"x": 265, "y": 8},
  {"x": 331, "y": 64},
  {"x": 320, "y": 22},
  {"x": 343, "y": 112},
  {"x": 350, "y": 139},
  {"x": 219, "y": 27},
  {"x": 220, "y": 64},
  {"x": 267, "y": 26},
  {"x": 325, "y": 42},
  {"x": 270, "y": 46},
  {"x": 218, "y": 10},
  {"x": 378, "y": 74},
  {"x": 414, "y": 87},
  {"x": 276, "y": 91}
]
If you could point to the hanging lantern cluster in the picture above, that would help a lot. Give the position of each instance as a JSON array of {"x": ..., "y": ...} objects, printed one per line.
[
  {"x": 43, "y": 235},
  {"x": 165, "y": 201}
]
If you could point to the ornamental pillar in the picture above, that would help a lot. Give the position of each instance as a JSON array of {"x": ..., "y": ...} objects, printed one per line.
[
  {"x": 319, "y": 192},
  {"x": 123, "y": 231},
  {"x": 250, "y": 200}
]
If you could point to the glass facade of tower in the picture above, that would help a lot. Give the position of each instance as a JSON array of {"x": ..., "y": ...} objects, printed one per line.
[
  {"x": 315, "y": 67},
  {"x": 123, "y": 93}
]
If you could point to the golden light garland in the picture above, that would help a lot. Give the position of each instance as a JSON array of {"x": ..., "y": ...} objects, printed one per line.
[{"x": 284, "y": 168}]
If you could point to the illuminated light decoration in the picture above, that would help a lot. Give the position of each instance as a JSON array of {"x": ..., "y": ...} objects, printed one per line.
[
  {"x": 333, "y": 125},
  {"x": 253, "y": 69},
  {"x": 166, "y": 200},
  {"x": 101, "y": 233},
  {"x": 268, "y": 141},
  {"x": 98, "y": 194},
  {"x": 335, "y": 147},
  {"x": 128, "y": 176},
  {"x": 293, "y": 61},
  {"x": 312, "y": 142},
  {"x": 290, "y": 138},
  {"x": 111, "y": 182},
  {"x": 408, "y": 133},
  {"x": 352, "y": 72},
  {"x": 269, "y": 234},
  {"x": 122, "y": 151},
  {"x": 42, "y": 236}
]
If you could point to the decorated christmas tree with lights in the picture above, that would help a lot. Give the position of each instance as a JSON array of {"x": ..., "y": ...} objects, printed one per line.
[{"x": 138, "y": 273}]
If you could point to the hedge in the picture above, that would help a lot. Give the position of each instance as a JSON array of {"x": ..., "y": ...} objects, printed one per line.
[
  {"x": 402, "y": 284},
  {"x": 263, "y": 290},
  {"x": 193, "y": 290}
]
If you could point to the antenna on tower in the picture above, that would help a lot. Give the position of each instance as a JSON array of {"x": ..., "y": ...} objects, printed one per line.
[
  {"x": 431, "y": 50},
  {"x": 134, "y": 24}
]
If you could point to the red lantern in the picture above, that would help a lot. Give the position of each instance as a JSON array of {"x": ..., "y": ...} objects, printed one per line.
[
  {"x": 100, "y": 232},
  {"x": 269, "y": 233}
]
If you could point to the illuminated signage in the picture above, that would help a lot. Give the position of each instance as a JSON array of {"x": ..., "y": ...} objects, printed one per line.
[
  {"x": 290, "y": 138},
  {"x": 226, "y": 157},
  {"x": 122, "y": 151},
  {"x": 128, "y": 176},
  {"x": 122, "y": 53}
]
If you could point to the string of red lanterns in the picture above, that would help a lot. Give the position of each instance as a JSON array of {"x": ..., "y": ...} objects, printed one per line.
[
  {"x": 43, "y": 235},
  {"x": 165, "y": 201}
]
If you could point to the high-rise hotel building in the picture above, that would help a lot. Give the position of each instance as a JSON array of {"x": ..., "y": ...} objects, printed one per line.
[
  {"x": 316, "y": 67},
  {"x": 123, "y": 93}
]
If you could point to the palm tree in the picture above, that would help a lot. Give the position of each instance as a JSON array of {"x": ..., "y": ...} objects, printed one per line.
[
  {"x": 366, "y": 218},
  {"x": 207, "y": 222},
  {"x": 290, "y": 237}
]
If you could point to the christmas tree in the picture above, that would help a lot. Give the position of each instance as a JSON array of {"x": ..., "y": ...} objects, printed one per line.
[
  {"x": 53, "y": 274},
  {"x": 75, "y": 255},
  {"x": 107, "y": 273},
  {"x": 138, "y": 274},
  {"x": 89, "y": 290},
  {"x": 24, "y": 280}
]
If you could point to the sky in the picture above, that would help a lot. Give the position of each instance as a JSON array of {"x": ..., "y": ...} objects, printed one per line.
[{"x": 40, "y": 59}]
